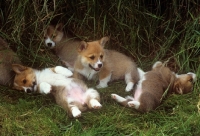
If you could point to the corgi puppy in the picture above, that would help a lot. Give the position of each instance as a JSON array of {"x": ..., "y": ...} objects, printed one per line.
[
  {"x": 7, "y": 58},
  {"x": 63, "y": 45},
  {"x": 70, "y": 93},
  {"x": 109, "y": 65},
  {"x": 154, "y": 85}
]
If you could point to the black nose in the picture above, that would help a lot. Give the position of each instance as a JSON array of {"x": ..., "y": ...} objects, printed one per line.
[
  {"x": 99, "y": 65},
  {"x": 49, "y": 44},
  {"x": 34, "y": 83},
  {"x": 28, "y": 91}
]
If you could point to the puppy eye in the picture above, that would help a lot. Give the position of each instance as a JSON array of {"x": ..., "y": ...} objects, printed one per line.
[
  {"x": 53, "y": 36},
  {"x": 24, "y": 81},
  {"x": 92, "y": 57},
  {"x": 101, "y": 56},
  {"x": 190, "y": 80}
]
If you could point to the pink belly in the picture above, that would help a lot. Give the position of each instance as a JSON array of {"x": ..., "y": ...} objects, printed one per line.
[{"x": 77, "y": 94}]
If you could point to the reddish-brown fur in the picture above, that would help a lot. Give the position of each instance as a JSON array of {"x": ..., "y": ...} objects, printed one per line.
[
  {"x": 159, "y": 81},
  {"x": 7, "y": 58},
  {"x": 66, "y": 45}
]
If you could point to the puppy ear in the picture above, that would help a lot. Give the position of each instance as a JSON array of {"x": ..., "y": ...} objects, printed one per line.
[
  {"x": 59, "y": 26},
  {"x": 177, "y": 88},
  {"x": 103, "y": 41},
  {"x": 82, "y": 46},
  {"x": 18, "y": 68}
]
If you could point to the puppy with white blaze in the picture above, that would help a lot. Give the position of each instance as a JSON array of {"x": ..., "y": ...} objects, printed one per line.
[
  {"x": 153, "y": 85},
  {"x": 71, "y": 94}
]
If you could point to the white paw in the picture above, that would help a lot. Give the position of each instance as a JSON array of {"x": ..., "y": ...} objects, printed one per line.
[
  {"x": 129, "y": 86},
  {"x": 117, "y": 98},
  {"x": 102, "y": 85},
  {"x": 45, "y": 88},
  {"x": 64, "y": 71},
  {"x": 76, "y": 112},
  {"x": 134, "y": 104},
  {"x": 95, "y": 104}
]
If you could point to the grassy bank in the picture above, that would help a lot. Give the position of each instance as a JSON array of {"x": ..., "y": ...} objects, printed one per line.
[{"x": 145, "y": 31}]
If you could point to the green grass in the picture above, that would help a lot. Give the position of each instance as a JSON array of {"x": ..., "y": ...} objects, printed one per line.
[{"x": 146, "y": 31}]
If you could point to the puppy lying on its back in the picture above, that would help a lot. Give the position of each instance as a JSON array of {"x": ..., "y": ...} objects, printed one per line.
[
  {"x": 7, "y": 58},
  {"x": 152, "y": 86},
  {"x": 71, "y": 94}
]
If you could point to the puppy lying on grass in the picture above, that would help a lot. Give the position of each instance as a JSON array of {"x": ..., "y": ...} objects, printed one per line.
[
  {"x": 7, "y": 58},
  {"x": 153, "y": 85},
  {"x": 70, "y": 93}
]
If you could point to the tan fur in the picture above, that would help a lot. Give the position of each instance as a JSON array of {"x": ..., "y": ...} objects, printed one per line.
[
  {"x": 24, "y": 76},
  {"x": 159, "y": 81},
  {"x": 114, "y": 63},
  {"x": 7, "y": 58},
  {"x": 118, "y": 64},
  {"x": 69, "y": 93},
  {"x": 66, "y": 46},
  {"x": 60, "y": 93}
]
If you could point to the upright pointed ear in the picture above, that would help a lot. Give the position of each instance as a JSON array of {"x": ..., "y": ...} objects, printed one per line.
[
  {"x": 18, "y": 68},
  {"x": 82, "y": 46},
  {"x": 59, "y": 26},
  {"x": 103, "y": 41}
]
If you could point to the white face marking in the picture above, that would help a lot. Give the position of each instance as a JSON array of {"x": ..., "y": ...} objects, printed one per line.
[
  {"x": 98, "y": 64},
  {"x": 27, "y": 88},
  {"x": 49, "y": 43}
]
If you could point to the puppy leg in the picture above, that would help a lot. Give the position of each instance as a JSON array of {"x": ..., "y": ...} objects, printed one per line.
[
  {"x": 129, "y": 82},
  {"x": 119, "y": 99},
  {"x": 75, "y": 112},
  {"x": 92, "y": 99},
  {"x": 73, "y": 108},
  {"x": 61, "y": 70},
  {"x": 44, "y": 88},
  {"x": 134, "y": 104},
  {"x": 104, "y": 78}
]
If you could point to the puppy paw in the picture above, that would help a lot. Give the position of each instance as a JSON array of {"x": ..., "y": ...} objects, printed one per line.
[
  {"x": 118, "y": 98},
  {"x": 64, "y": 71},
  {"x": 45, "y": 88},
  {"x": 95, "y": 104},
  {"x": 134, "y": 104},
  {"x": 101, "y": 86},
  {"x": 129, "y": 87},
  {"x": 113, "y": 96},
  {"x": 75, "y": 112}
]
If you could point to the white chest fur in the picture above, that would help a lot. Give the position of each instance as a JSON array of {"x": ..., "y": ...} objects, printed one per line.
[
  {"x": 52, "y": 78},
  {"x": 88, "y": 72}
]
